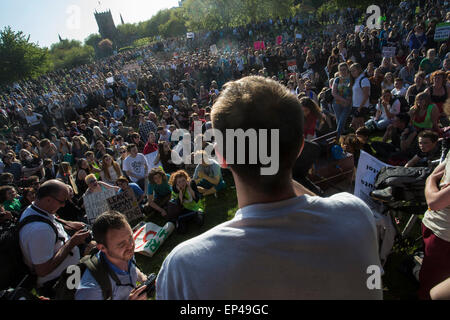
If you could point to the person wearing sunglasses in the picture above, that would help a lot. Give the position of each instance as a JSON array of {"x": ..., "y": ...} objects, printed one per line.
[{"x": 95, "y": 186}]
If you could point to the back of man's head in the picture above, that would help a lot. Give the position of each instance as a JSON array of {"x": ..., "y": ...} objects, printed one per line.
[{"x": 260, "y": 103}]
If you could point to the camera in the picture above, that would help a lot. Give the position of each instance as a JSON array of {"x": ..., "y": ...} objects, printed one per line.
[
  {"x": 151, "y": 285},
  {"x": 90, "y": 237}
]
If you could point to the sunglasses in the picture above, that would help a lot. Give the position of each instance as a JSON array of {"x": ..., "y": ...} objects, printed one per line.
[
  {"x": 122, "y": 152},
  {"x": 94, "y": 182}
]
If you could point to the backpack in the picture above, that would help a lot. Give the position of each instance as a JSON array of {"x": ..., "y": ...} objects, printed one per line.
[
  {"x": 360, "y": 83},
  {"x": 99, "y": 270},
  {"x": 13, "y": 269}
]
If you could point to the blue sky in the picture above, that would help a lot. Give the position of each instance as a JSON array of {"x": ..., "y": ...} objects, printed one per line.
[{"x": 72, "y": 19}]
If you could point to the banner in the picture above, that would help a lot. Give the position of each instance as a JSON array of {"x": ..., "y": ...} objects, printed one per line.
[
  {"x": 131, "y": 66},
  {"x": 96, "y": 203},
  {"x": 149, "y": 237},
  {"x": 368, "y": 168},
  {"x": 442, "y": 31},
  {"x": 126, "y": 204},
  {"x": 389, "y": 52}
]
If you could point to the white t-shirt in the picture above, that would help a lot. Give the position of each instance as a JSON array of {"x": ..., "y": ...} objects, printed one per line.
[
  {"x": 136, "y": 165},
  {"x": 401, "y": 92},
  {"x": 394, "y": 109},
  {"x": 301, "y": 248},
  {"x": 358, "y": 94},
  {"x": 37, "y": 241}
]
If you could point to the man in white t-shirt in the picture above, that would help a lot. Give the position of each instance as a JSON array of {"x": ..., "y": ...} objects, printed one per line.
[
  {"x": 135, "y": 166},
  {"x": 284, "y": 242},
  {"x": 361, "y": 95},
  {"x": 46, "y": 253}
]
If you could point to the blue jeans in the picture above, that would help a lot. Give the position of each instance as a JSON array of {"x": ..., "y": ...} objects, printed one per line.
[{"x": 342, "y": 113}]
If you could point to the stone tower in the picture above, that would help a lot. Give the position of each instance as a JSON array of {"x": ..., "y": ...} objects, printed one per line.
[{"x": 106, "y": 26}]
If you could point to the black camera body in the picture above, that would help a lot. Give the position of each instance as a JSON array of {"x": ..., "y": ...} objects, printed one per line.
[
  {"x": 90, "y": 237},
  {"x": 151, "y": 285}
]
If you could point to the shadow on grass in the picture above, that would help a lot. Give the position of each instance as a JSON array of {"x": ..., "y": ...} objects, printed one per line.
[{"x": 217, "y": 211}]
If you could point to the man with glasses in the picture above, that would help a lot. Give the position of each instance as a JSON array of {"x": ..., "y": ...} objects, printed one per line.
[
  {"x": 116, "y": 246},
  {"x": 46, "y": 247}
]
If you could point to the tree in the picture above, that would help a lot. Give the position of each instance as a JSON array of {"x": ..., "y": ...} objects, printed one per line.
[
  {"x": 105, "y": 47},
  {"x": 19, "y": 58},
  {"x": 69, "y": 54}
]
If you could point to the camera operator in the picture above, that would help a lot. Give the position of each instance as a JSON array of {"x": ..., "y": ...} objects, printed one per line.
[{"x": 115, "y": 243}]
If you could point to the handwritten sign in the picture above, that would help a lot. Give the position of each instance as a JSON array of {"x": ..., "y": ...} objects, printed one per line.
[
  {"x": 368, "y": 169},
  {"x": 149, "y": 237},
  {"x": 126, "y": 204},
  {"x": 190, "y": 35},
  {"x": 292, "y": 65},
  {"x": 96, "y": 203}
]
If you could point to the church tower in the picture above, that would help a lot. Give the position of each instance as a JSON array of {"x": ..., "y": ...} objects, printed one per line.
[{"x": 106, "y": 26}]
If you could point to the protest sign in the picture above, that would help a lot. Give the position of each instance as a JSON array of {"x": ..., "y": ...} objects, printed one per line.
[
  {"x": 368, "y": 169},
  {"x": 126, "y": 204},
  {"x": 131, "y": 66},
  {"x": 292, "y": 65},
  {"x": 442, "y": 31},
  {"x": 151, "y": 157},
  {"x": 214, "y": 50},
  {"x": 190, "y": 35},
  {"x": 110, "y": 80},
  {"x": 389, "y": 52},
  {"x": 149, "y": 237},
  {"x": 298, "y": 36},
  {"x": 96, "y": 203},
  {"x": 279, "y": 40}
]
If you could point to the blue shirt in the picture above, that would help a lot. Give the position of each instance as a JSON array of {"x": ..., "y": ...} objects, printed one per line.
[
  {"x": 89, "y": 289},
  {"x": 136, "y": 189}
]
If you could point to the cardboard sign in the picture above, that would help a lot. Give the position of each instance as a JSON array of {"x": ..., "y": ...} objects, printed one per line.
[
  {"x": 127, "y": 205},
  {"x": 149, "y": 237},
  {"x": 389, "y": 52},
  {"x": 442, "y": 31},
  {"x": 96, "y": 203},
  {"x": 368, "y": 169}
]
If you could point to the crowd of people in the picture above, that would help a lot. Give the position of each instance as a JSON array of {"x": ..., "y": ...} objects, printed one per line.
[{"x": 92, "y": 127}]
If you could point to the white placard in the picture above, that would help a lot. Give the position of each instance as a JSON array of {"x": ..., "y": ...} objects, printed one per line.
[
  {"x": 149, "y": 237},
  {"x": 96, "y": 203},
  {"x": 151, "y": 161},
  {"x": 442, "y": 32},
  {"x": 389, "y": 52},
  {"x": 110, "y": 80},
  {"x": 368, "y": 169},
  {"x": 190, "y": 35}
]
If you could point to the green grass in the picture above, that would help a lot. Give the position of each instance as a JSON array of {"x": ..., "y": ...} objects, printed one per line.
[{"x": 217, "y": 211}]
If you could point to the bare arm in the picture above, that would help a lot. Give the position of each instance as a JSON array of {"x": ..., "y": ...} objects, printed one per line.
[
  {"x": 412, "y": 162},
  {"x": 437, "y": 199},
  {"x": 441, "y": 291}
]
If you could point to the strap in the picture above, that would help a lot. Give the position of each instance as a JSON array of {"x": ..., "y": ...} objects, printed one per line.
[
  {"x": 37, "y": 218},
  {"x": 100, "y": 271}
]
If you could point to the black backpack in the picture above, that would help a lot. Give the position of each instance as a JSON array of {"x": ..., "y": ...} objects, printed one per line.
[
  {"x": 12, "y": 267},
  {"x": 99, "y": 270}
]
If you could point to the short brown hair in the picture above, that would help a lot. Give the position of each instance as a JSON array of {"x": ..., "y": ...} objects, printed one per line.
[
  {"x": 259, "y": 103},
  {"x": 105, "y": 222}
]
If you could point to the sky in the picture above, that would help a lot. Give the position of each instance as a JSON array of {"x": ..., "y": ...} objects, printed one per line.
[{"x": 43, "y": 20}]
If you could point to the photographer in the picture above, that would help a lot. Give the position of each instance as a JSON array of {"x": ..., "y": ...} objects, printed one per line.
[{"x": 115, "y": 243}]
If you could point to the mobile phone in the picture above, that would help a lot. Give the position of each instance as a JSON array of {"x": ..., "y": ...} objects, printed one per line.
[{"x": 150, "y": 283}]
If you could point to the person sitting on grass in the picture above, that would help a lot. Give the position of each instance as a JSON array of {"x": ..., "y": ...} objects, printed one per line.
[
  {"x": 130, "y": 188},
  {"x": 159, "y": 192},
  {"x": 363, "y": 135},
  {"x": 185, "y": 199},
  {"x": 208, "y": 175},
  {"x": 386, "y": 112},
  {"x": 429, "y": 150}
]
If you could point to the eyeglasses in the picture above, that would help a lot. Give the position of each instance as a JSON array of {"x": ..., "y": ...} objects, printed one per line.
[{"x": 60, "y": 202}]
